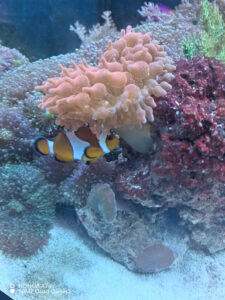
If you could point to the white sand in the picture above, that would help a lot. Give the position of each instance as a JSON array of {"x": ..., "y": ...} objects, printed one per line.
[{"x": 72, "y": 267}]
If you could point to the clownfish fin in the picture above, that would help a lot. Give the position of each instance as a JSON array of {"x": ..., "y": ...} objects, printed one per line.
[
  {"x": 112, "y": 141},
  {"x": 41, "y": 145},
  {"x": 94, "y": 152}
]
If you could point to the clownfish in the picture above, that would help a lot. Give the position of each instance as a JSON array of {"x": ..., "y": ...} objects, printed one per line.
[{"x": 77, "y": 145}]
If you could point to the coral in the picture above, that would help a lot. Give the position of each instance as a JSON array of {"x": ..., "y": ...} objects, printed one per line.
[
  {"x": 75, "y": 189},
  {"x": 187, "y": 12},
  {"x": 27, "y": 208},
  {"x": 152, "y": 12},
  {"x": 26, "y": 77},
  {"x": 127, "y": 238},
  {"x": 212, "y": 39},
  {"x": 187, "y": 169},
  {"x": 38, "y": 117},
  {"x": 11, "y": 59},
  {"x": 154, "y": 258},
  {"x": 97, "y": 32},
  {"x": 102, "y": 200},
  {"x": 118, "y": 92},
  {"x": 191, "y": 47},
  {"x": 16, "y": 135},
  {"x": 171, "y": 29},
  {"x": 221, "y": 5},
  {"x": 54, "y": 171},
  {"x": 115, "y": 225}
]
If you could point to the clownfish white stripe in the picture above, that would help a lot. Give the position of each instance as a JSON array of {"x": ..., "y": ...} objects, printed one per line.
[
  {"x": 50, "y": 146},
  {"x": 102, "y": 143},
  {"x": 78, "y": 145}
]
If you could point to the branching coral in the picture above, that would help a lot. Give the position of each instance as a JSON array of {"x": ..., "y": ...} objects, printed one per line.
[
  {"x": 211, "y": 42},
  {"x": 108, "y": 29},
  {"x": 118, "y": 92},
  {"x": 152, "y": 12},
  {"x": 27, "y": 206}
]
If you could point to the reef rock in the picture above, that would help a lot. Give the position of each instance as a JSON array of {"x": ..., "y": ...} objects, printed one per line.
[
  {"x": 187, "y": 170},
  {"x": 117, "y": 227}
]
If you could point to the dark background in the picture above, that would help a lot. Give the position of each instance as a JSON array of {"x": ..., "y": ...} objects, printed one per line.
[{"x": 40, "y": 28}]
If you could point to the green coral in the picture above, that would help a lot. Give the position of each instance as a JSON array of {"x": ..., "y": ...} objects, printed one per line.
[
  {"x": 191, "y": 48},
  {"x": 211, "y": 42}
]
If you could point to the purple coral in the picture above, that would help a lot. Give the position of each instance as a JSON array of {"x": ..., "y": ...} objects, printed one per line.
[
  {"x": 11, "y": 59},
  {"x": 16, "y": 135}
]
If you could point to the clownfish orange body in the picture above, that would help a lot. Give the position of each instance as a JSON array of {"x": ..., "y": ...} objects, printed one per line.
[{"x": 77, "y": 145}]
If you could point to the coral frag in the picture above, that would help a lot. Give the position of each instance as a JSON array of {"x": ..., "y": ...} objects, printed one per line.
[{"x": 187, "y": 170}]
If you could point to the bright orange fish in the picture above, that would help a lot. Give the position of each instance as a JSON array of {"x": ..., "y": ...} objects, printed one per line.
[{"x": 77, "y": 145}]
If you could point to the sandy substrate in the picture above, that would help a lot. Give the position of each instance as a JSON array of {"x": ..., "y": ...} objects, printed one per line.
[{"x": 73, "y": 267}]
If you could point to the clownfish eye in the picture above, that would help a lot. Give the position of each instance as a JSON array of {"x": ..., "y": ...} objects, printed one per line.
[{"x": 110, "y": 137}]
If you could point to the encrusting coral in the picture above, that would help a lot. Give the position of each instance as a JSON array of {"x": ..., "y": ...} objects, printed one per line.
[
  {"x": 27, "y": 209},
  {"x": 11, "y": 59},
  {"x": 16, "y": 135},
  {"x": 118, "y": 92}
]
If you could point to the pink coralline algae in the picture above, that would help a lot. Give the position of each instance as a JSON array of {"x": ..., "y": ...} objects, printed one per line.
[
  {"x": 136, "y": 185},
  {"x": 193, "y": 145},
  {"x": 187, "y": 170}
]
